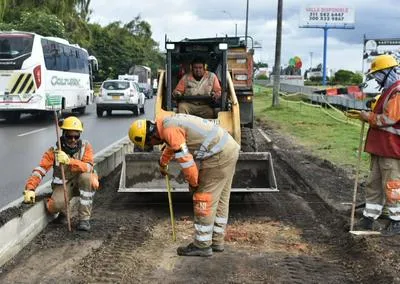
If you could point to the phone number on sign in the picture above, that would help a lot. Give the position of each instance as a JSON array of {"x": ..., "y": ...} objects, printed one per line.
[{"x": 326, "y": 16}]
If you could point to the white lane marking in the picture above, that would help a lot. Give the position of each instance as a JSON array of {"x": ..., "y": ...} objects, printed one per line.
[{"x": 31, "y": 132}]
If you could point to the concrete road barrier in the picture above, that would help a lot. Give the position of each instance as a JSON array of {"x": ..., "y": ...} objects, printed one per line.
[{"x": 19, "y": 231}]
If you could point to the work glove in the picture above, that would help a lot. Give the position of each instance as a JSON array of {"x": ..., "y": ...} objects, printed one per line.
[
  {"x": 163, "y": 169},
  {"x": 29, "y": 196},
  {"x": 62, "y": 157}
]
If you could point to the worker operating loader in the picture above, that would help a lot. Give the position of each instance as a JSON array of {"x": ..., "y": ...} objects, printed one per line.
[
  {"x": 76, "y": 156},
  {"x": 188, "y": 137}
]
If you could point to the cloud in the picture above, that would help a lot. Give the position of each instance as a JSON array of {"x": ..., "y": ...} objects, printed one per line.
[{"x": 179, "y": 19}]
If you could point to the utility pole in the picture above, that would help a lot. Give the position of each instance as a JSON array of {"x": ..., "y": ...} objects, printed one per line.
[
  {"x": 247, "y": 22},
  {"x": 277, "y": 66},
  {"x": 311, "y": 54}
]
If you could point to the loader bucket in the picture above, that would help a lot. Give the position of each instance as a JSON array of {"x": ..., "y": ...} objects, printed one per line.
[{"x": 140, "y": 173}]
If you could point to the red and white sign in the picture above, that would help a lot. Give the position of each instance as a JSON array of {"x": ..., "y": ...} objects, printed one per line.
[{"x": 319, "y": 16}]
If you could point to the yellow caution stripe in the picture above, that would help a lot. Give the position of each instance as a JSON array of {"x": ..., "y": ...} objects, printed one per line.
[{"x": 21, "y": 83}]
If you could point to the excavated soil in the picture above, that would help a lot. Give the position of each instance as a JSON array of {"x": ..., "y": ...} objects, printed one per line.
[{"x": 297, "y": 235}]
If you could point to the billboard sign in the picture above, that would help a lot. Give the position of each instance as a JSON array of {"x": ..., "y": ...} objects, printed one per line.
[
  {"x": 324, "y": 16},
  {"x": 373, "y": 48}
]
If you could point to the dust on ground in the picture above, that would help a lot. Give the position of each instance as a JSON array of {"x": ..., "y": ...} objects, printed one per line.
[{"x": 297, "y": 235}]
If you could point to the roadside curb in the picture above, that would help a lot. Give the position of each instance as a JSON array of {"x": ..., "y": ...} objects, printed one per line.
[{"x": 18, "y": 232}]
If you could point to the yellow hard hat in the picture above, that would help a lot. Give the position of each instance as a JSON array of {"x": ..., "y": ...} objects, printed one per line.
[
  {"x": 71, "y": 123},
  {"x": 382, "y": 62},
  {"x": 137, "y": 133}
]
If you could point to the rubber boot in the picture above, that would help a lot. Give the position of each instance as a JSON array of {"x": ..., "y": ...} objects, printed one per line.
[
  {"x": 61, "y": 219},
  {"x": 217, "y": 248},
  {"x": 365, "y": 223},
  {"x": 392, "y": 229},
  {"x": 192, "y": 250},
  {"x": 83, "y": 225}
]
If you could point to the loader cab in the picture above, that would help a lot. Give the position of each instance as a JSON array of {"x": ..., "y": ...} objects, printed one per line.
[{"x": 179, "y": 58}]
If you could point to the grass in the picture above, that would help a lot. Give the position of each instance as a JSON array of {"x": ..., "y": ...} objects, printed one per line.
[{"x": 325, "y": 132}]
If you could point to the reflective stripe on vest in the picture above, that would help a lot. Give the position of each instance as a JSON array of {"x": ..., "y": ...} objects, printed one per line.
[
  {"x": 57, "y": 180},
  {"x": 209, "y": 136},
  {"x": 41, "y": 170}
]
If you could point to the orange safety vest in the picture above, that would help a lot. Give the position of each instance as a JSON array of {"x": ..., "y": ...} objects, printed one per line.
[
  {"x": 189, "y": 86},
  {"x": 187, "y": 136},
  {"x": 384, "y": 141},
  {"x": 82, "y": 161}
]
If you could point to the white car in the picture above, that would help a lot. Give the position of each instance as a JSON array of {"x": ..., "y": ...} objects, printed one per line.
[{"x": 120, "y": 95}]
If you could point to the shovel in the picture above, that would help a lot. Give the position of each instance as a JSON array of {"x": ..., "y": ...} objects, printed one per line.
[
  {"x": 171, "y": 210},
  {"x": 66, "y": 201}
]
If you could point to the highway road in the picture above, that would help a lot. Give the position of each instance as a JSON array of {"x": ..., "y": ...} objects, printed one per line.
[{"x": 22, "y": 144}]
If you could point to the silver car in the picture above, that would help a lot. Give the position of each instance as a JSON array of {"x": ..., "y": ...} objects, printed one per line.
[{"x": 120, "y": 95}]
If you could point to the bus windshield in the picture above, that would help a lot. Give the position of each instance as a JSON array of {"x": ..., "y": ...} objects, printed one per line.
[{"x": 15, "y": 45}]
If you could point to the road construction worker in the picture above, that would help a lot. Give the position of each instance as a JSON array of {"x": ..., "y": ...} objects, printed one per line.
[
  {"x": 198, "y": 82},
  {"x": 76, "y": 156},
  {"x": 383, "y": 144},
  {"x": 189, "y": 137}
]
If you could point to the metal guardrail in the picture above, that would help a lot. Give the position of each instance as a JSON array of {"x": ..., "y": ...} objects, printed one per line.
[
  {"x": 338, "y": 100},
  {"x": 288, "y": 88}
]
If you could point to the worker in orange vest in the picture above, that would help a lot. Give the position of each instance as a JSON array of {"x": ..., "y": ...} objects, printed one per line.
[
  {"x": 187, "y": 138},
  {"x": 77, "y": 158},
  {"x": 383, "y": 143},
  {"x": 199, "y": 82}
]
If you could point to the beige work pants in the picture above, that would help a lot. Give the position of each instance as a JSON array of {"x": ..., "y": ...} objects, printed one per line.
[
  {"x": 77, "y": 186},
  {"x": 211, "y": 200},
  {"x": 383, "y": 188},
  {"x": 201, "y": 110}
]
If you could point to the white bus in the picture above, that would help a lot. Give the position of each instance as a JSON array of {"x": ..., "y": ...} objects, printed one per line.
[{"x": 36, "y": 71}]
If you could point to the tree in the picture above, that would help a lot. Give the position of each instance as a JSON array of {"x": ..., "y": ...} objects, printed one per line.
[
  {"x": 117, "y": 46},
  {"x": 343, "y": 77},
  {"x": 41, "y": 23},
  {"x": 260, "y": 65},
  {"x": 357, "y": 79}
]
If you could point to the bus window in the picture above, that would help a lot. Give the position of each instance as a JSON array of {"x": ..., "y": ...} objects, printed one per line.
[{"x": 12, "y": 46}]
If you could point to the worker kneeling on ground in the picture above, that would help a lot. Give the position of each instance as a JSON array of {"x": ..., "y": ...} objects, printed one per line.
[
  {"x": 76, "y": 156},
  {"x": 198, "y": 83},
  {"x": 188, "y": 137},
  {"x": 383, "y": 143}
]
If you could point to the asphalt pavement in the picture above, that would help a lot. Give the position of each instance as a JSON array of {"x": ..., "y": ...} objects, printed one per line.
[{"x": 23, "y": 143}]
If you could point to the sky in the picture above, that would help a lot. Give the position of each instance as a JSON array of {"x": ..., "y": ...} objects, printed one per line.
[{"x": 179, "y": 19}]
